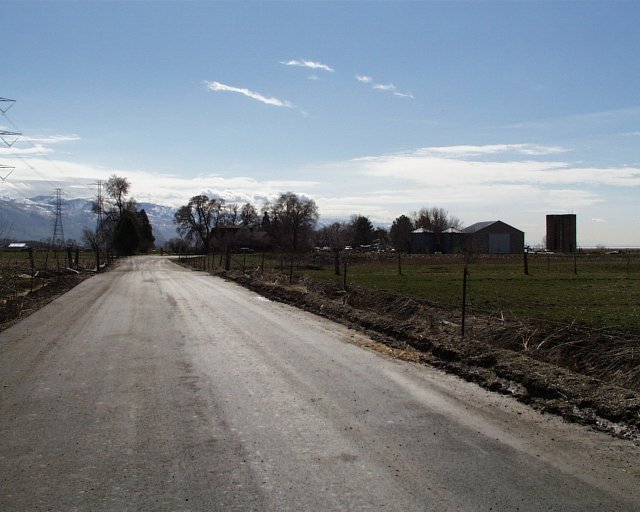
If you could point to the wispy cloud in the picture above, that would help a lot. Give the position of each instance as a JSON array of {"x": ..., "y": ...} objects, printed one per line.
[
  {"x": 384, "y": 87},
  {"x": 18, "y": 150},
  {"x": 307, "y": 64},
  {"x": 219, "y": 87},
  {"x": 517, "y": 183},
  {"x": 493, "y": 149},
  {"x": 54, "y": 139},
  {"x": 37, "y": 175},
  {"x": 365, "y": 79},
  {"x": 461, "y": 166}
]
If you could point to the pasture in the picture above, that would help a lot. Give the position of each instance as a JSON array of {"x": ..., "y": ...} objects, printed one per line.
[{"x": 601, "y": 291}]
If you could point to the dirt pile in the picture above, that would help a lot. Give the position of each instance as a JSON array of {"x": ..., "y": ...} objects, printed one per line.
[{"x": 582, "y": 375}]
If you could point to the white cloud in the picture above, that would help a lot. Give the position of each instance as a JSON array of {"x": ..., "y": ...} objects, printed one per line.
[
  {"x": 18, "y": 151},
  {"x": 53, "y": 139},
  {"x": 308, "y": 64},
  {"x": 383, "y": 87},
  {"x": 217, "y": 86},
  {"x": 36, "y": 176},
  {"x": 525, "y": 149},
  {"x": 435, "y": 167},
  {"x": 517, "y": 183}
]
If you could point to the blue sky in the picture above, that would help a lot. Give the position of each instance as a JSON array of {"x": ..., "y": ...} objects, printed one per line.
[{"x": 491, "y": 110}]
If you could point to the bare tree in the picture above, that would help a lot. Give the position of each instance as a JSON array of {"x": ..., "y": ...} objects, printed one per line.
[
  {"x": 435, "y": 219},
  {"x": 292, "y": 220},
  {"x": 117, "y": 188},
  {"x": 199, "y": 218},
  {"x": 249, "y": 215}
]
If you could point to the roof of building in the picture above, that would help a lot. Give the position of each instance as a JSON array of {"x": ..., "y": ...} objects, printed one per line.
[
  {"x": 17, "y": 245},
  {"x": 478, "y": 226},
  {"x": 422, "y": 230}
]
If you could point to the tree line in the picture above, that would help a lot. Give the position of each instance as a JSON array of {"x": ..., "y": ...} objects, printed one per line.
[{"x": 288, "y": 223}]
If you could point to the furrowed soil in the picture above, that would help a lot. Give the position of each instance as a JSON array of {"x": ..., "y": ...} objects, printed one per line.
[{"x": 584, "y": 375}]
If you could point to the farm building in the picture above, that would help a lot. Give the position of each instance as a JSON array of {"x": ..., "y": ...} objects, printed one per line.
[
  {"x": 451, "y": 241},
  {"x": 424, "y": 241},
  {"x": 493, "y": 237},
  {"x": 561, "y": 233}
]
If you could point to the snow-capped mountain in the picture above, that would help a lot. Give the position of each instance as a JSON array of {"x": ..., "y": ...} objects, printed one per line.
[{"x": 32, "y": 219}]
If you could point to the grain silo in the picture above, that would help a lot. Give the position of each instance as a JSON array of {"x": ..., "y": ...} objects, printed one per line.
[{"x": 561, "y": 233}]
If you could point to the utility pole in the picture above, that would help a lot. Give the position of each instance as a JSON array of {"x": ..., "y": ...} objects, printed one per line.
[
  {"x": 57, "y": 239},
  {"x": 98, "y": 240}
]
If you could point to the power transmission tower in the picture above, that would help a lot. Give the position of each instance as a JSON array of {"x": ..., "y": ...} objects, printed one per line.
[
  {"x": 4, "y": 177},
  {"x": 6, "y": 104},
  {"x": 57, "y": 240}
]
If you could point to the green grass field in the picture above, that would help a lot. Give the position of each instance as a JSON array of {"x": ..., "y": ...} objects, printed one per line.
[{"x": 604, "y": 293}]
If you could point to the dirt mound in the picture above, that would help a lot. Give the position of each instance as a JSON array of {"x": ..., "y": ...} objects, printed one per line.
[{"x": 586, "y": 376}]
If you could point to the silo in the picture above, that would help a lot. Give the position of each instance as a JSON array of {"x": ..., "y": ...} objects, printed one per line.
[{"x": 561, "y": 233}]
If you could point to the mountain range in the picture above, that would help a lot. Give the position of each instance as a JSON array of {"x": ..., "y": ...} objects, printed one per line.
[{"x": 33, "y": 219}]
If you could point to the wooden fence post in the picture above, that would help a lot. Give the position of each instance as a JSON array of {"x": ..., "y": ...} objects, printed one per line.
[
  {"x": 344, "y": 276},
  {"x": 291, "y": 270},
  {"x": 464, "y": 297}
]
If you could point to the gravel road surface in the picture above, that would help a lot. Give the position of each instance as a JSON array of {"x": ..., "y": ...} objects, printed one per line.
[{"x": 152, "y": 387}]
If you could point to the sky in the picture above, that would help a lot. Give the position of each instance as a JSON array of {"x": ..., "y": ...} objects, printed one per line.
[{"x": 491, "y": 110}]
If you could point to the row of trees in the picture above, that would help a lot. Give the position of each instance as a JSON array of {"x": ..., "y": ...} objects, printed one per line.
[
  {"x": 208, "y": 223},
  {"x": 289, "y": 223}
]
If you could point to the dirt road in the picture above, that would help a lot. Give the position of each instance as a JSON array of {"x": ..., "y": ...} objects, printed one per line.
[{"x": 157, "y": 388}]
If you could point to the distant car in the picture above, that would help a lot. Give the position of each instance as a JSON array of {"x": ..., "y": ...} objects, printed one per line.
[
  {"x": 348, "y": 248},
  {"x": 246, "y": 250}
]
